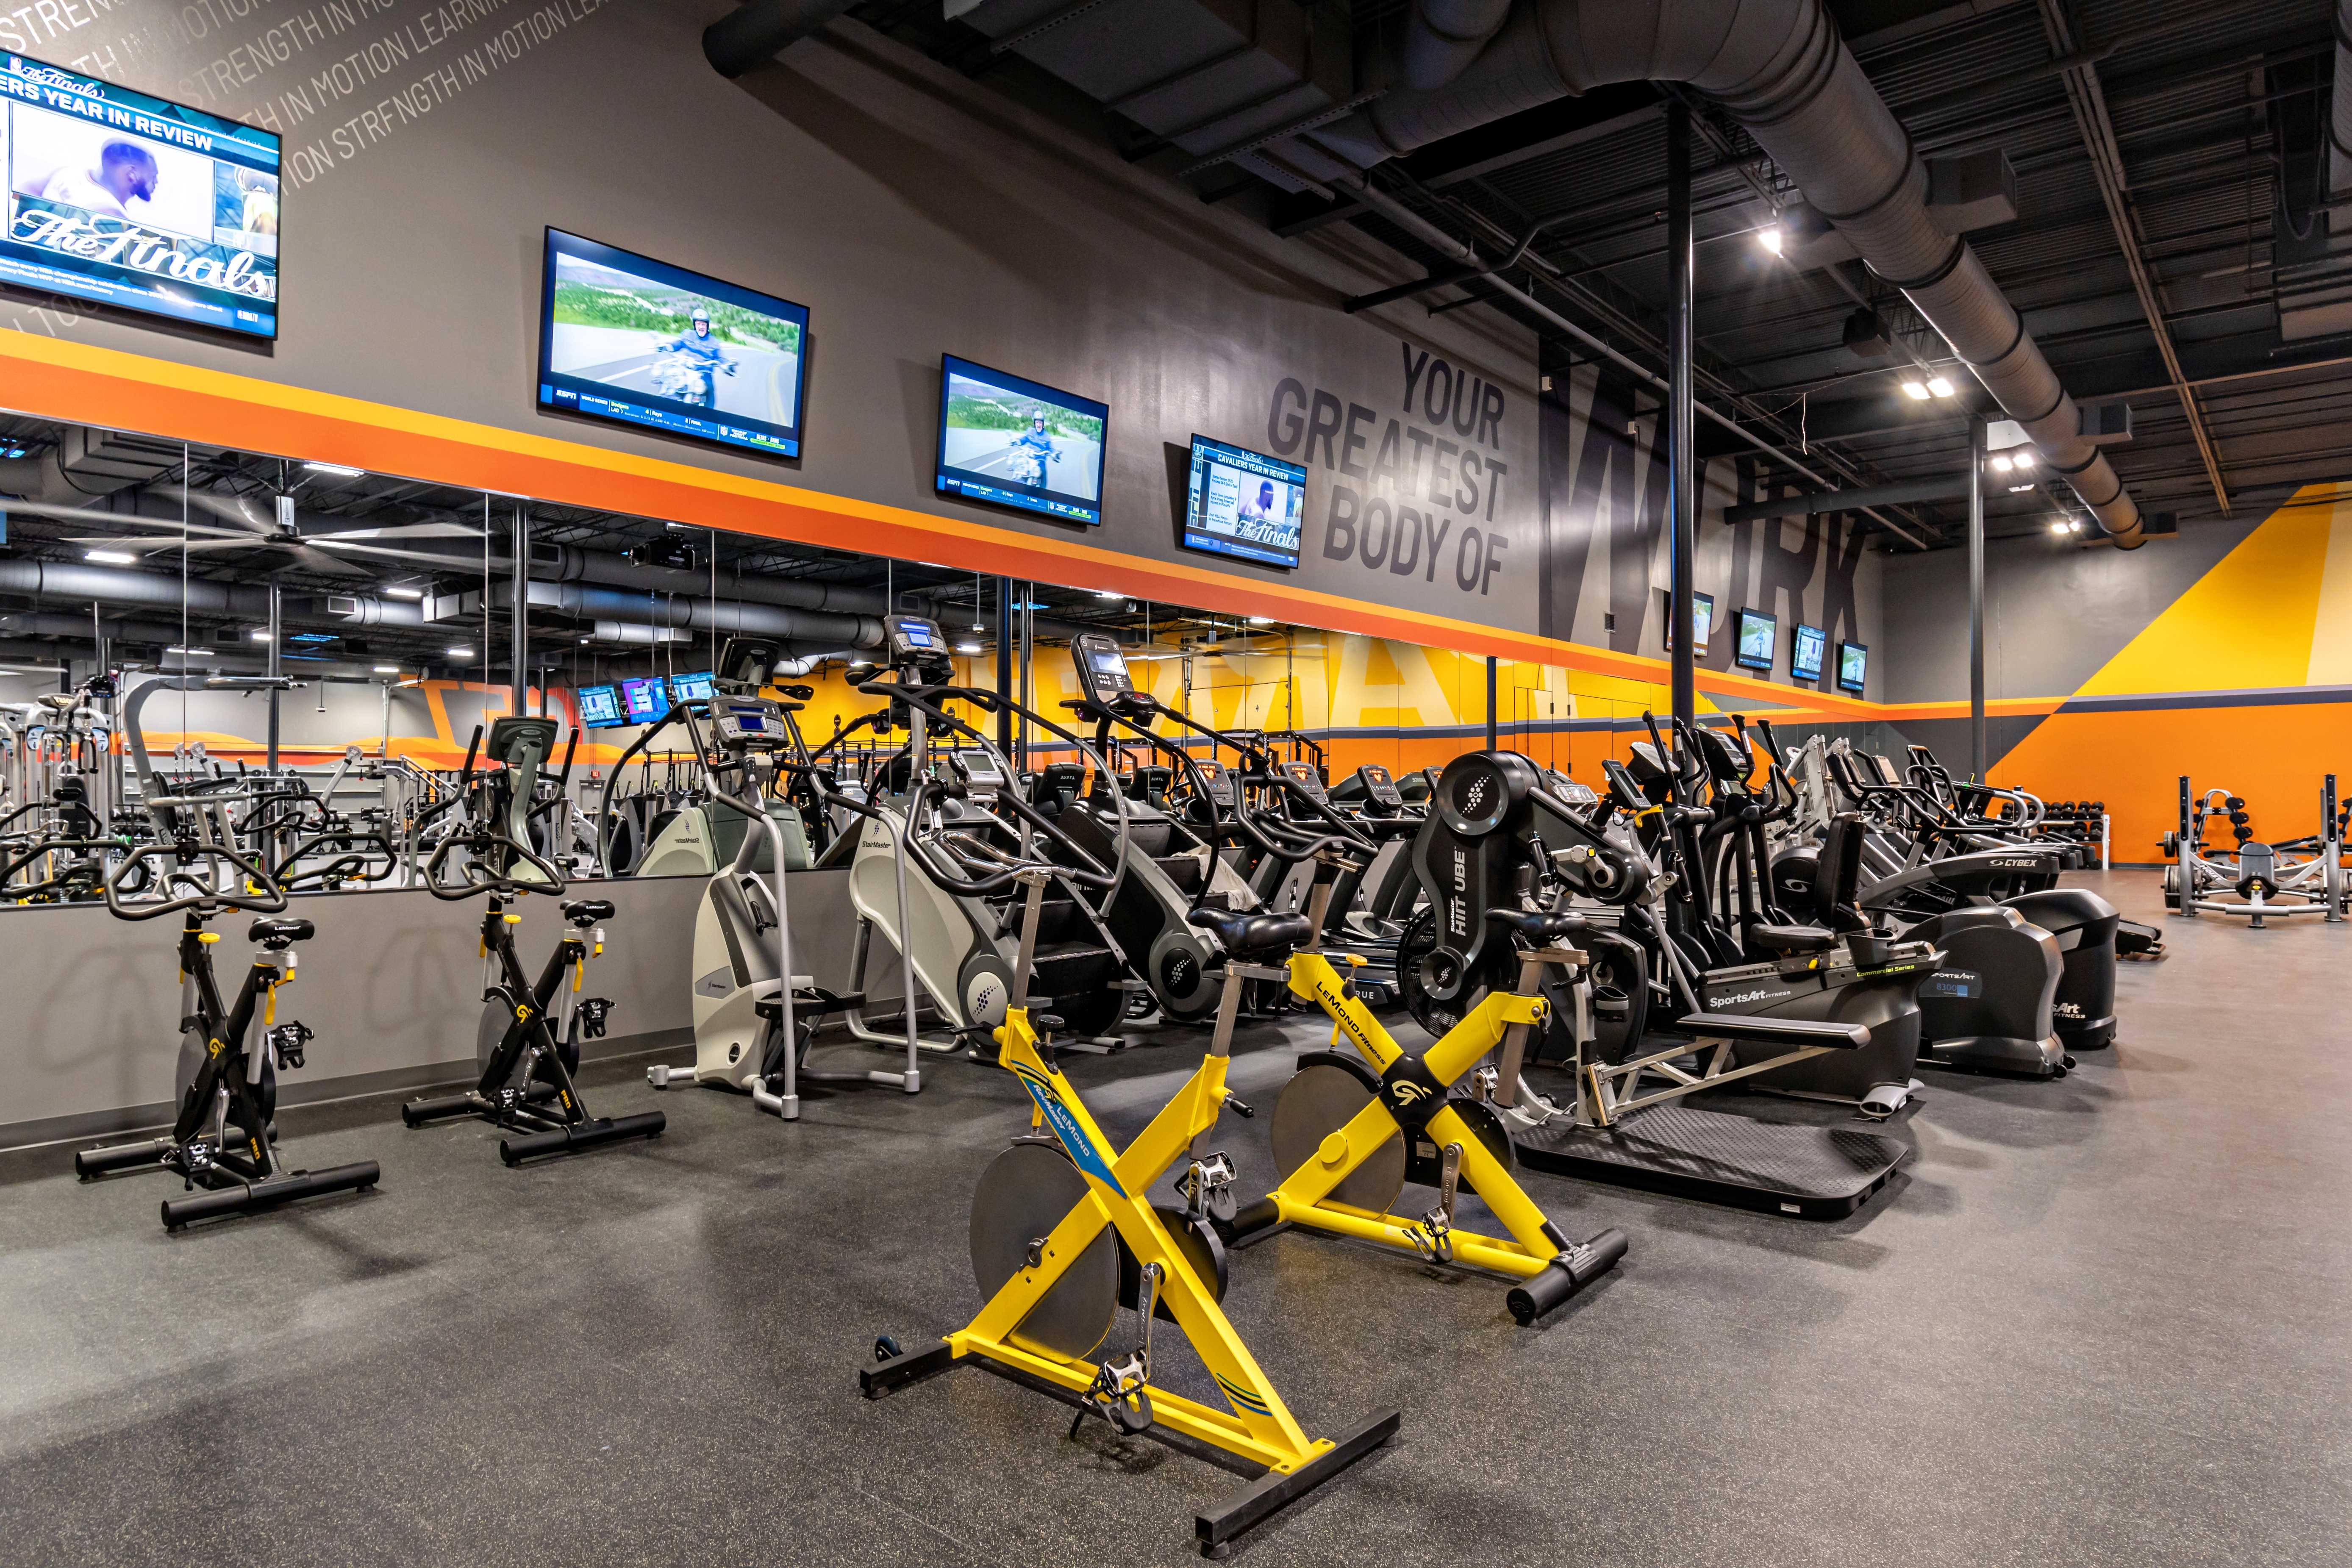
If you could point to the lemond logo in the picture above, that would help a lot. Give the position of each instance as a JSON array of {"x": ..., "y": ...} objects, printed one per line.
[{"x": 1408, "y": 1092}]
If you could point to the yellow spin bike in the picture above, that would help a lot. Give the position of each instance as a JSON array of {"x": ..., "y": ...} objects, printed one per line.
[
  {"x": 1349, "y": 1130},
  {"x": 1064, "y": 1233}
]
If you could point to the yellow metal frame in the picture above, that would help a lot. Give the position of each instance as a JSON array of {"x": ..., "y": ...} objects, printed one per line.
[
  {"x": 1304, "y": 1198},
  {"x": 1258, "y": 1426}
]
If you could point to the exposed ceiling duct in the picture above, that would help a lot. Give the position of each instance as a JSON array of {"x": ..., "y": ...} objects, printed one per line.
[
  {"x": 1779, "y": 67},
  {"x": 586, "y": 602},
  {"x": 750, "y": 34},
  {"x": 1443, "y": 36},
  {"x": 1210, "y": 80}
]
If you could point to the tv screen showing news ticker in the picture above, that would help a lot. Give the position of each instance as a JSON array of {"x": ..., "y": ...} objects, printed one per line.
[
  {"x": 1243, "y": 504},
  {"x": 626, "y": 338},
  {"x": 136, "y": 202},
  {"x": 1020, "y": 443}
]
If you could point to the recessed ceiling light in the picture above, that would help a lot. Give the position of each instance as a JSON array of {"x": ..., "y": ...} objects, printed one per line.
[
  {"x": 349, "y": 473},
  {"x": 109, "y": 557}
]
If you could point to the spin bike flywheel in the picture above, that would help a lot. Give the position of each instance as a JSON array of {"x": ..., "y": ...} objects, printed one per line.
[{"x": 1024, "y": 1193}]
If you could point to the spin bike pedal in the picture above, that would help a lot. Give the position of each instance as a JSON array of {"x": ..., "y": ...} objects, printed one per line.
[
  {"x": 287, "y": 1041},
  {"x": 1207, "y": 1186},
  {"x": 1433, "y": 1237}
]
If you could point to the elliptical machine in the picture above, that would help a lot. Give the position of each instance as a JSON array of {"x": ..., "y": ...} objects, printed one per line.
[
  {"x": 1811, "y": 1019},
  {"x": 224, "y": 1140},
  {"x": 529, "y": 1043}
]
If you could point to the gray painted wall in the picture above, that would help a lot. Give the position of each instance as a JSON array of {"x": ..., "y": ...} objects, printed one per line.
[
  {"x": 392, "y": 984},
  {"x": 1604, "y": 494},
  {"x": 914, "y": 211},
  {"x": 2054, "y": 611}
]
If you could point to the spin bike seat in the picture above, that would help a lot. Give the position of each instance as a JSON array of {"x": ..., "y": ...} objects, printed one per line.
[
  {"x": 587, "y": 911},
  {"x": 1790, "y": 938},
  {"x": 1540, "y": 928},
  {"x": 1255, "y": 936},
  {"x": 282, "y": 933}
]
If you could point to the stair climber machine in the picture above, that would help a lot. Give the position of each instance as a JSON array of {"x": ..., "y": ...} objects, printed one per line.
[
  {"x": 1822, "y": 1013},
  {"x": 1989, "y": 1007},
  {"x": 753, "y": 1031},
  {"x": 1921, "y": 887},
  {"x": 223, "y": 1143},
  {"x": 964, "y": 946},
  {"x": 2252, "y": 879},
  {"x": 1377, "y": 900},
  {"x": 1174, "y": 860},
  {"x": 529, "y": 1042},
  {"x": 1065, "y": 1237}
]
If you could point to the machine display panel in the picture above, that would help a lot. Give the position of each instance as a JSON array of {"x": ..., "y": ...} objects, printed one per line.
[
  {"x": 136, "y": 202},
  {"x": 1853, "y": 666},
  {"x": 625, "y": 338},
  {"x": 600, "y": 707},
  {"x": 1243, "y": 504},
  {"x": 1760, "y": 640},
  {"x": 648, "y": 699},
  {"x": 1020, "y": 443},
  {"x": 1805, "y": 651}
]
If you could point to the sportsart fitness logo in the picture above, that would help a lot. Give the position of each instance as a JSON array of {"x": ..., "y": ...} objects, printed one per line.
[{"x": 1735, "y": 998}]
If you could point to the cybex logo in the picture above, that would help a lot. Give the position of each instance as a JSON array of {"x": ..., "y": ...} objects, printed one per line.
[{"x": 2015, "y": 863}]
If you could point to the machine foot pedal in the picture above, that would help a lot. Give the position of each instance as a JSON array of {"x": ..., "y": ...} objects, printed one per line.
[{"x": 1792, "y": 1168}]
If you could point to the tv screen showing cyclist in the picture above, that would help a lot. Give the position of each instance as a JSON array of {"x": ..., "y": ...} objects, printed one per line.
[{"x": 1020, "y": 443}]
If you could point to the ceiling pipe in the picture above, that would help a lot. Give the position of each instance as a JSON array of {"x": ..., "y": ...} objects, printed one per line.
[
  {"x": 1443, "y": 36},
  {"x": 1780, "y": 70}
]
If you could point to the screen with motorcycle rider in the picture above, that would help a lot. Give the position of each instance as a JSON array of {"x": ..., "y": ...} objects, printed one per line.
[
  {"x": 626, "y": 338},
  {"x": 1020, "y": 443}
]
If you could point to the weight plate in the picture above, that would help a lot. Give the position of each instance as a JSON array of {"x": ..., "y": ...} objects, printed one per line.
[
  {"x": 1027, "y": 1192},
  {"x": 1318, "y": 1103}
]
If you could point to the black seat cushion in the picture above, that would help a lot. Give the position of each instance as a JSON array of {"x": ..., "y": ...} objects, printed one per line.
[
  {"x": 587, "y": 911},
  {"x": 1538, "y": 929},
  {"x": 1790, "y": 938},
  {"x": 1251, "y": 936},
  {"x": 279, "y": 932}
]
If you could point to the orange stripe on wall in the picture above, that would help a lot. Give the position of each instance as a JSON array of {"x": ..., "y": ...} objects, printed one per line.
[{"x": 53, "y": 379}]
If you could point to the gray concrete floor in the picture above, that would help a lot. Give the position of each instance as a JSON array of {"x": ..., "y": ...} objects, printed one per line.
[{"x": 2100, "y": 1320}]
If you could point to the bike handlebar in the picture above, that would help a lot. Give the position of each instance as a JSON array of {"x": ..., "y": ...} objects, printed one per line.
[{"x": 208, "y": 900}]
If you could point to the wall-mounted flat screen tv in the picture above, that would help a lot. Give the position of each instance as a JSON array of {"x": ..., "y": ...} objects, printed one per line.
[
  {"x": 1020, "y": 443},
  {"x": 1702, "y": 620},
  {"x": 626, "y": 338},
  {"x": 647, "y": 700},
  {"x": 1854, "y": 666},
  {"x": 690, "y": 687},
  {"x": 1759, "y": 640},
  {"x": 1243, "y": 504},
  {"x": 600, "y": 708},
  {"x": 1805, "y": 650},
  {"x": 136, "y": 202}
]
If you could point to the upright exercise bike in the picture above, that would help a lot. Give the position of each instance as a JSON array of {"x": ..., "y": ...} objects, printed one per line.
[
  {"x": 1064, "y": 1233},
  {"x": 529, "y": 1044},
  {"x": 222, "y": 1140}
]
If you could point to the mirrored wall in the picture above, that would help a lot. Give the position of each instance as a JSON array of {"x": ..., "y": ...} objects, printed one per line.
[{"x": 294, "y": 659}]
